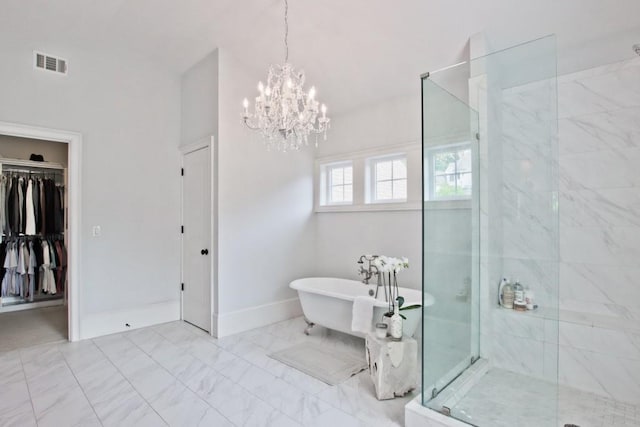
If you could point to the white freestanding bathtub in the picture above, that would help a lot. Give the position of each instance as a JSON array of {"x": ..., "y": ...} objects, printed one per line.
[{"x": 328, "y": 302}]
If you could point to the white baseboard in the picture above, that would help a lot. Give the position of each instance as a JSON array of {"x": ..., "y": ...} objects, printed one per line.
[
  {"x": 256, "y": 317},
  {"x": 111, "y": 322}
]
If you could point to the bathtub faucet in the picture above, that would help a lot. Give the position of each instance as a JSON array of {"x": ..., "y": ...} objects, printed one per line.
[{"x": 370, "y": 270}]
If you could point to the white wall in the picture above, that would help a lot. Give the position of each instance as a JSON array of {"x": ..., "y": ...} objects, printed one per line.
[
  {"x": 342, "y": 237},
  {"x": 199, "y": 102},
  {"x": 128, "y": 113},
  {"x": 265, "y": 208}
]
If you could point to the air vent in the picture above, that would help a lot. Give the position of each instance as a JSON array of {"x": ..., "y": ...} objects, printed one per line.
[{"x": 50, "y": 63}]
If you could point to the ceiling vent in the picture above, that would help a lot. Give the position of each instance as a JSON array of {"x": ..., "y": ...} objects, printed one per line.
[{"x": 46, "y": 62}]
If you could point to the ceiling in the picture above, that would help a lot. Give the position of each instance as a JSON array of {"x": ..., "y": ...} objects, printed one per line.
[{"x": 375, "y": 48}]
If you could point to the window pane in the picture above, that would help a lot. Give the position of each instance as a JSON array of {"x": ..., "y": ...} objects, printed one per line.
[
  {"x": 464, "y": 184},
  {"x": 348, "y": 175},
  {"x": 337, "y": 193},
  {"x": 400, "y": 189},
  {"x": 444, "y": 162},
  {"x": 442, "y": 188},
  {"x": 464, "y": 160},
  {"x": 399, "y": 169},
  {"x": 451, "y": 175},
  {"x": 348, "y": 193},
  {"x": 337, "y": 176},
  {"x": 383, "y": 190},
  {"x": 383, "y": 171}
]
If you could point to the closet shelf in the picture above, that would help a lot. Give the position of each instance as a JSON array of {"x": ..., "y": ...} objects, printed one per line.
[{"x": 30, "y": 164}]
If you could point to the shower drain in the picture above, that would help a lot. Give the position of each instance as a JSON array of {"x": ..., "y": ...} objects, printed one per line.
[{"x": 571, "y": 425}]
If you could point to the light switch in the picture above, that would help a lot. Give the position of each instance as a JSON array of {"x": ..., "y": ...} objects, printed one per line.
[{"x": 96, "y": 231}]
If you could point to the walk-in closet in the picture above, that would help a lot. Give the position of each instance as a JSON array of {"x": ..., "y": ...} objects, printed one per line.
[{"x": 33, "y": 251}]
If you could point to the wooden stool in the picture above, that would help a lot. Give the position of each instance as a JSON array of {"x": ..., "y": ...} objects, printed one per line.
[{"x": 392, "y": 365}]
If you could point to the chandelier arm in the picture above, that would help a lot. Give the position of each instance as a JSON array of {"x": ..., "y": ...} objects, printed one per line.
[{"x": 252, "y": 127}]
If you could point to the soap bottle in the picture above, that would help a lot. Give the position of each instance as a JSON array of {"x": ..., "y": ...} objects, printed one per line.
[
  {"x": 395, "y": 326},
  {"x": 508, "y": 295},
  {"x": 529, "y": 299},
  {"x": 518, "y": 289}
]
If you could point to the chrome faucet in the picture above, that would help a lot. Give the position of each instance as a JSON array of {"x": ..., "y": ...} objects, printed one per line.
[{"x": 370, "y": 270}]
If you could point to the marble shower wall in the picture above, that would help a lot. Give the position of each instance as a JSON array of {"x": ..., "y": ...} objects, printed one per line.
[
  {"x": 599, "y": 130},
  {"x": 522, "y": 158},
  {"x": 597, "y": 224}
]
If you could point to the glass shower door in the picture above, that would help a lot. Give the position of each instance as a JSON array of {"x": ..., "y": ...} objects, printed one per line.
[
  {"x": 490, "y": 142},
  {"x": 450, "y": 325}
]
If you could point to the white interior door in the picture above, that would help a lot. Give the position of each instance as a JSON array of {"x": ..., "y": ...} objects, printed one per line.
[{"x": 196, "y": 248}]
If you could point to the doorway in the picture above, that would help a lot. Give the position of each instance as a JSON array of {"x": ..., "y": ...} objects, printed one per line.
[
  {"x": 198, "y": 252},
  {"x": 55, "y": 301}
]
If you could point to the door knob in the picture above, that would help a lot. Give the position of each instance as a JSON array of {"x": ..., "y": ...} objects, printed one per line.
[{"x": 204, "y": 252}]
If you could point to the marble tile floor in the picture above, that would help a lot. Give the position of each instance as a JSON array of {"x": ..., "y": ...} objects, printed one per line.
[
  {"x": 21, "y": 329},
  {"x": 175, "y": 374},
  {"x": 504, "y": 398}
]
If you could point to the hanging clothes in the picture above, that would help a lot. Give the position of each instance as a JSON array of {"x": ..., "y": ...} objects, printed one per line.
[
  {"x": 12, "y": 209},
  {"x": 36, "y": 205},
  {"x": 43, "y": 208},
  {"x": 10, "y": 266},
  {"x": 61, "y": 274},
  {"x": 21, "y": 281},
  {"x": 3, "y": 254},
  {"x": 31, "y": 271},
  {"x": 30, "y": 222},
  {"x": 33, "y": 266},
  {"x": 59, "y": 209},
  {"x": 3, "y": 201},
  {"x": 48, "y": 280},
  {"x": 31, "y": 205},
  {"x": 33, "y": 256},
  {"x": 21, "y": 209}
]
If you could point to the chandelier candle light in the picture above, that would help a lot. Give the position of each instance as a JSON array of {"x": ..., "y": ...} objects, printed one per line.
[{"x": 284, "y": 113}]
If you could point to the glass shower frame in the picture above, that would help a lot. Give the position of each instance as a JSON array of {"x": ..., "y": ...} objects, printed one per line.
[
  {"x": 504, "y": 105},
  {"x": 456, "y": 330}
]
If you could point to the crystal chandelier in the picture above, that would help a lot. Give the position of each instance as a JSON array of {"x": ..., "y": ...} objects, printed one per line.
[{"x": 283, "y": 112}]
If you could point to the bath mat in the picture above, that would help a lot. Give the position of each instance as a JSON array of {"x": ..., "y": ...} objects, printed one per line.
[{"x": 329, "y": 365}]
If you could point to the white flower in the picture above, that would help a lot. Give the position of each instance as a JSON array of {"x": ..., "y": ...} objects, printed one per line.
[
  {"x": 382, "y": 262},
  {"x": 387, "y": 264},
  {"x": 403, "y": 262}
]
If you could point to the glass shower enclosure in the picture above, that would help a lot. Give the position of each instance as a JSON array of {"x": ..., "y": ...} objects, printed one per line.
[{"x": 490, "y": 213}]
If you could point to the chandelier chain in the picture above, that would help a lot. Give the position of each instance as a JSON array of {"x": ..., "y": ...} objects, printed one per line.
[{"x": 286, "y": 30}]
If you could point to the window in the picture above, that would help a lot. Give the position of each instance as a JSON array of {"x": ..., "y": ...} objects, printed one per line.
[
  {"x": 373, "y": 180},
  {"x": 450, "y": 175},
  {"x": 338, "y": 183},
  {"x": 388, "y": 179}
]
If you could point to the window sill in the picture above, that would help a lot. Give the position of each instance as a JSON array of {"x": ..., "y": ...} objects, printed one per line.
[{"x": 370, "y": 207}]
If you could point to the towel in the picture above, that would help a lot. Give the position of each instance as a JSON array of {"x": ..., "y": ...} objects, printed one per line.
[{"x": 362, "y": 316}]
